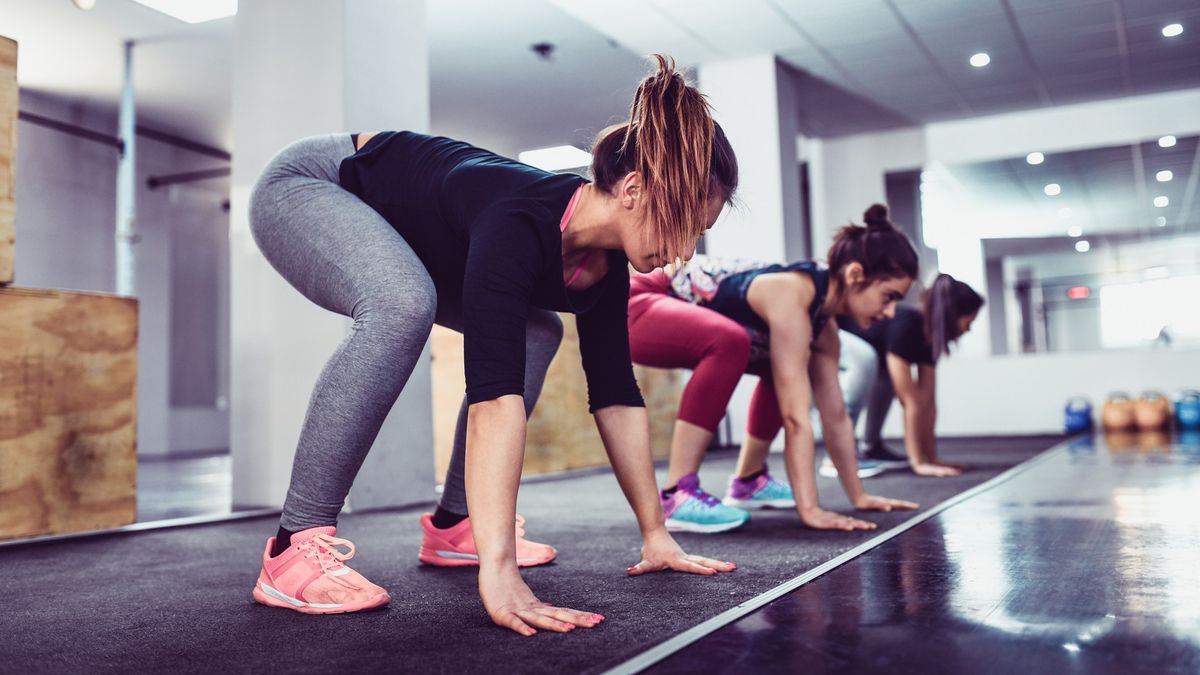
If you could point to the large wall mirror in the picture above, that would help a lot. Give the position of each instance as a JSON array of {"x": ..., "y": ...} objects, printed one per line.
[{"x": 1079, "y": 251}]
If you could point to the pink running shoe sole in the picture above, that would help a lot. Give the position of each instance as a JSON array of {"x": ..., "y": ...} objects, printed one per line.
[
  {"x": 455, "y": 547},
  {"x": 264, "y": 594},
  {"x": 454, "y": 559}
]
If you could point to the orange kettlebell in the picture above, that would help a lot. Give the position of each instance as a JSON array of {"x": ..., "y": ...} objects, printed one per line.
[
  {"x": 1117, "y": 414},
  {"x": 1152, "y": 411}
]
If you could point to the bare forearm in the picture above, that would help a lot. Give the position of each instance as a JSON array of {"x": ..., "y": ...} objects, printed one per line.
[
  {"x": 495, "y": 451},
  {"x": 929, "y": 437},
  {"x": 798, "y": 456},
  {"x": 839, "y": 442},
  {"x": 914, "y": 434},
  {"x": 626, "y": 435}
]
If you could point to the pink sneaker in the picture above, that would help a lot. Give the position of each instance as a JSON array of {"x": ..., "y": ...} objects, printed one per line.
[
  {"x": 309, "y": 576},
  {"x": 455, "y": 546}
]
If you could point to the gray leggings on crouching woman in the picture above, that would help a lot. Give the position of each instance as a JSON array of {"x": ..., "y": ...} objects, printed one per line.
[{"x": 341, "y": 254}]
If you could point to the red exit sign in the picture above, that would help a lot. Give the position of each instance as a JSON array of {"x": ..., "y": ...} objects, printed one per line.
[{"x": 1079, "y": 292}]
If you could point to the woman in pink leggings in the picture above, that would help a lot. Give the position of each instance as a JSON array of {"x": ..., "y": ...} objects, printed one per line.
[{"x": 722, "y": 319}]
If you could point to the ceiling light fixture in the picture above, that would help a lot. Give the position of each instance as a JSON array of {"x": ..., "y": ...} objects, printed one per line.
[
  {"x": 1075, "y": 231},
  {"x": 1172, "y": 29},
  {"x": 1083, "y": 246},
  {"x": 1161, "y": 221},
  {"x": 1161, "y": 201},
  {"x": 193, "y": 11},
  {"x": 980, "y": 60},
  {"x": 1035, "y": 158},
  {"x": 1166, "y": 142},
  {"x": 84, "y": 4},
  {"x": 1052, "y": 190},
  {"x": 1164, "y": 176}
]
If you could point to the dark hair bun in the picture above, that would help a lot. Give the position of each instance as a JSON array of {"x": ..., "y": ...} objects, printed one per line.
[{"x": 877, "y": 216}]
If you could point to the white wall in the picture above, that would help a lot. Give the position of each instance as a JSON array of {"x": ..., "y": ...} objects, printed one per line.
[
  {"x": 66, "y": 213},
  {"x": 1025, "y": 394},
  {"x": 1009, "y": 394}
]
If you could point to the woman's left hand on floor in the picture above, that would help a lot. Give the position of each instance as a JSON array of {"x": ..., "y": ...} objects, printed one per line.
[
  {"x": 662, "y": 552},
  {"x": 873, "y": 503}
]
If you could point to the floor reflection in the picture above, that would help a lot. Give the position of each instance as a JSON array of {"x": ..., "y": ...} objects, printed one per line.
[{"x": 1085, "y": 563}]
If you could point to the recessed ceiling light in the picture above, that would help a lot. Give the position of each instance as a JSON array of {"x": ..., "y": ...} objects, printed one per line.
[
  {"x": 1064, "y": 212},
  {"x": 1161, "y": 201},
  {"x": 980, "y": 60},
  {"x": 1035, "y": 158},
  {"x": 1083, "y": 246},
  {"x": 1172, "y": 29},
  {"x": 1161, "y": 221},
  {"x": 1166, "y": 142},
  {"x": 193, "y": 11},
  {"x": 1164, "y": 176},
  {"x": 558, "y": 158},
  {"x": 1075, "y": 231},
  {"x": 84, "y": 4},
  {"x": 1052, "y": 189}
]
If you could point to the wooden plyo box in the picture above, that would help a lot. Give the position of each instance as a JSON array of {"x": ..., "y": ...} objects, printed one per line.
[
  {"x": 68, "y": 376},
  {"x": 562, "y": 434},
  {"x": 8, "y": 156}
]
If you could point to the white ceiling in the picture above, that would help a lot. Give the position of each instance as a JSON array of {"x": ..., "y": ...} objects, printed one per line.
[
  {"x": 900, "y": 62},
  {"x": 862, "y": 64}
]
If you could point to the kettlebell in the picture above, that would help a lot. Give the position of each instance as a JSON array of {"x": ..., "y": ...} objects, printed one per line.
[
  {"x": 1117, "y": 414},
  {"x": 1077, "y": 415},
  {"x": 1152, "y": 411},
  {"x": 1187, "y": 410}
]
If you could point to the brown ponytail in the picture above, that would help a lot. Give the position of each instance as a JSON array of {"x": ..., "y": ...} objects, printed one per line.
[{"x": 682, "y": 155}]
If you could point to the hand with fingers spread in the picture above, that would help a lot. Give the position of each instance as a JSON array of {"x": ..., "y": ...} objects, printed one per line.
[
  {"x": 936, "y": 470},
  {"x": 661, "y": 552},
  {"x": 512, "y": 605},
  {"x": 873, "y": 503},
  {"x": 820, "y": 519}
]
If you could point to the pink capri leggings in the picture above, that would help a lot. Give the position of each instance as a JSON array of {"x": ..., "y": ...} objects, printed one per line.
[{"x": 666, "y": 332}]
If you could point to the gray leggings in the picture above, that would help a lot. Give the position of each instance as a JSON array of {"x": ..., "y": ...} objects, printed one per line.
[{"x": 341, "y": 254}]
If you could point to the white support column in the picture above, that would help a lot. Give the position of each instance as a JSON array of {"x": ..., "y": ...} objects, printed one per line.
[
  {"x": 755, "y": 102},
  {"x": 307, "y": 67}
]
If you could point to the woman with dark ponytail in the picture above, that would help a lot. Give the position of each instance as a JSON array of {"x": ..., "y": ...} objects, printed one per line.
[
  {"x": 399, "y": 230},
  {"x": 723, "y": 319},
  {"x": 920, "y": 337}
]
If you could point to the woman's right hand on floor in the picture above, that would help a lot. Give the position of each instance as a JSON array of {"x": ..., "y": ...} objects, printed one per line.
[
  {"x": 820, "y": 519},
  {"x": 512, "y": 605},
  {"x": 936, "y": 470}
]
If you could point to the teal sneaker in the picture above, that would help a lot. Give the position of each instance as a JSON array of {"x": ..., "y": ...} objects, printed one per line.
[
  {"x": 762, "y": 491},
  {"x": 867, "y": 468},
  {"x": 690, "y": 509}
]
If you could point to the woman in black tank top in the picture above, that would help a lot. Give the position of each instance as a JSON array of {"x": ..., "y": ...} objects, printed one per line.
[{"x": 916, "y": 336}]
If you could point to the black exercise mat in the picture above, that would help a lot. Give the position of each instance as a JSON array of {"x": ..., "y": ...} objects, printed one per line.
[{"x": 180, "y": 599}]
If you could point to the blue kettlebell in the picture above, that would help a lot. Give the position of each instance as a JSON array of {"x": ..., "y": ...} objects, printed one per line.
[
  {"x": 1187, "y": 409},
  {"x": 1077, "y": 415}
]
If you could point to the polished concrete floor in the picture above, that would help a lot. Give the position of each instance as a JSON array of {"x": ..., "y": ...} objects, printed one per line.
[{"x": 1088, "y": 562}]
